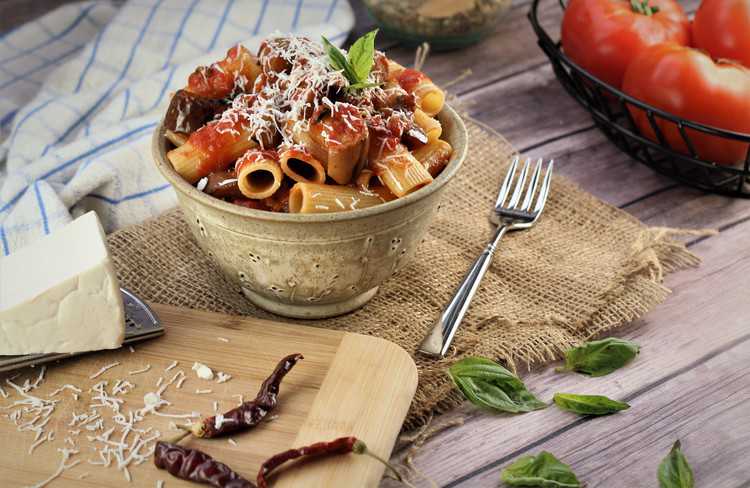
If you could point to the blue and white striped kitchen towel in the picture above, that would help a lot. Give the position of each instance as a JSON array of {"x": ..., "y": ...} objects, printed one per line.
[{"x": 82, "y": 88}]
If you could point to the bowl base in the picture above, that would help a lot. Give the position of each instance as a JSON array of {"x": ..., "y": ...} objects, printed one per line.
[{"x": 311, "y": 311}]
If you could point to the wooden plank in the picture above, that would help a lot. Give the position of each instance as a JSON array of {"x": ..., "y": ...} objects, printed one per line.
[
  {"x": 674, "y": 337},
  {"x": 681, "y": 206},
  {"x": 705, "y": 407},
  {"x": 590, "y": 160},
  {"x": 528, "y": 108}
]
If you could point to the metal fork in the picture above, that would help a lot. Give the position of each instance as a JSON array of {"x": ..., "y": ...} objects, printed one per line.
[{"x": 515, "y": 214}]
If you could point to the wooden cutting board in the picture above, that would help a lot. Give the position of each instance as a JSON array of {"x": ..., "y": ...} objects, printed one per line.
[{"x": 348, "y": 384}]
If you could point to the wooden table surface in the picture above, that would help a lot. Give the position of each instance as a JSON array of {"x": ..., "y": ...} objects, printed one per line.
[{"x": 692, "y": 378}]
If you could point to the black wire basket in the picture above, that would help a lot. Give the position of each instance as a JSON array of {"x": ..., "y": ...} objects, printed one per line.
[{"x": 609, "y": 109}]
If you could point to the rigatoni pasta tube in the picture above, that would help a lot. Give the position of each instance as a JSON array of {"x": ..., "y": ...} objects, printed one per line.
[
  {"x": 434, "y": 156},
  {"x": 301, "y": 166},
  {"x": 176, "y": 138},
  {"x": 429, "y": 125},
  {"x": 383, "y": 192},
  {"x": 340, "y": 137},
  {"x": 430, "y": 98},
  {"x": 400, "y": 171},
  {"x": 211, "y": 148},
  {"x": 364, "y": 178},
  {"x": 316, "y": 198},
  {"x": 258, "y": 174}
]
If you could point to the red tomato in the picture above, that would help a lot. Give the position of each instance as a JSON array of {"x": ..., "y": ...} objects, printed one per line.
[
  {"x": 686, "y": 83},
  {"x": 722, "y": 27},
  {"x": 603, "y": 36}
]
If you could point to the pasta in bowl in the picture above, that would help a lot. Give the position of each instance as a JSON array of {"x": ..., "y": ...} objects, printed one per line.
[{"x": 307, "y": 185}]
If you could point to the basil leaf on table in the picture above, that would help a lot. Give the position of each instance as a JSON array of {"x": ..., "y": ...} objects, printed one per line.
[
  {"x": 588, "y": 404},
  {"x": 674, "y": 470},
  {"x": 599, "y": 358},
  {"x": 543, "y": 470},
  {"x": 487, "y": 384}
]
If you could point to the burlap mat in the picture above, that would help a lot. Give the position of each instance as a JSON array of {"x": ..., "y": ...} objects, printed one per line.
[{"x": 585, "y": 268}]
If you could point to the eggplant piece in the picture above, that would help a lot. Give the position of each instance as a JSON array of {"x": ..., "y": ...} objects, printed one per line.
[
  {"x": 223, "y": 184},
  {"x": 188, "y": 112}
]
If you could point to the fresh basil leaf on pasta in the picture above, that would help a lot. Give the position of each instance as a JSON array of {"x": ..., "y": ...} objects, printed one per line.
[
  {"x": 599, "y": 358},
  {"x": 543, "y": 470},
  {"x": 487, "y": 384},
  {"x": 359, "y": 86},
  {"x": 338, "y": 61},
  {"x": 588, "y": 404},
  {"x": 674, "y": 470},
  {"x": 360, "y": 56},
  {"x": 357, "y": 64}
]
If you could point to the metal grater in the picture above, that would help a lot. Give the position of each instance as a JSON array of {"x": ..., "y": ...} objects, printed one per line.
[{"x": 140, "y": 323}]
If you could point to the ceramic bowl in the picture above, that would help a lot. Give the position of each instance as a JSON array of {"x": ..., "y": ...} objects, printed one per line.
[{"x": 313, "y": 265}]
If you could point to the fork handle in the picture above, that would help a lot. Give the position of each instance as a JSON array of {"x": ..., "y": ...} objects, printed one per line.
[{"x": 436, "y": 343}]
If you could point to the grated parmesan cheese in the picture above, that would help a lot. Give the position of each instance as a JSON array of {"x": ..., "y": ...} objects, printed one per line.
[
  {"x": 203, "y": 372},
  {"x": 65, "y": 387},
  {"x": 104, "y": 370},
  {"x": 220, "y": 420},
  {"x": 139, "y": 371},
  {"x": 151, "y": 399},
  {"x": 223, "y": 377},
  {"x": 66, "y": 455},
  {"x": 202, "y": 183}
]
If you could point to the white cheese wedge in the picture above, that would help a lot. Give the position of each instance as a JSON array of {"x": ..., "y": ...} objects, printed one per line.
[{"x": 60, "y": 294}]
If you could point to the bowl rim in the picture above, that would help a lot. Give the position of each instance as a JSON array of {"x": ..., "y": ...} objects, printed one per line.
[{"x": 158, "y": 148}]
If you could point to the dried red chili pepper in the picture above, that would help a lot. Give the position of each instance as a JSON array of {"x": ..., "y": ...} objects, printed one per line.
[
  {"x": 250, "y": 413},
  {"x": 194, "y": 465},
  {"x": 342, "y": 445}
]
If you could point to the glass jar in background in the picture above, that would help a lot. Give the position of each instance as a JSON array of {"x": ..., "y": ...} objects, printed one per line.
[{"x": 445, "y": 24}]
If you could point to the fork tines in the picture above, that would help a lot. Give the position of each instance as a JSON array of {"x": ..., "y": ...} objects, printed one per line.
[{"x": 515, "y": 207}]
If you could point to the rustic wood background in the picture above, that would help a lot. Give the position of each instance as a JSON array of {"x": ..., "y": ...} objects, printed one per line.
[{"x": 692, "y": 379}]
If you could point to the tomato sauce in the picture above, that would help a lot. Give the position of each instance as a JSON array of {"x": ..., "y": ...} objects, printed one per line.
[
  {"x": 216, "y": 141},
  {"x": 409, "y": 79},
  {"x": 218, "y": 80}
]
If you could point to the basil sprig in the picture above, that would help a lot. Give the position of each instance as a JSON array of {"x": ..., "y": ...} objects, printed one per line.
[
  {"x": 543, "y": 470},
  {"x": 357, "y": 64},
  {"x": 588, "y": 404},
  {"x": 487, "y": 384},
  {"x": 599, "y": 358},
  {"x": 674, "y": 470}
]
